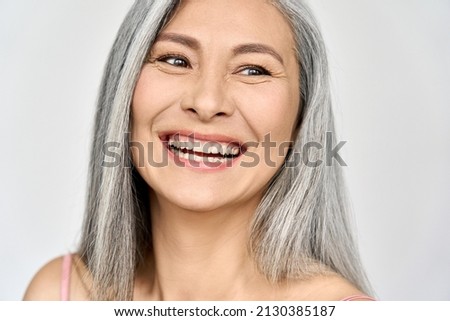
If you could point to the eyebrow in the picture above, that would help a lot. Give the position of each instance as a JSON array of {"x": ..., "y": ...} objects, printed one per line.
[
  {"x": 238, "y": 50},
  {"x": 178, "y": 38},
  {"x": 257, "y": 48}
]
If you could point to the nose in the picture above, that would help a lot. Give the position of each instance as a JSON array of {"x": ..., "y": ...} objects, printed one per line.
[{"x": 206, "y": 98}]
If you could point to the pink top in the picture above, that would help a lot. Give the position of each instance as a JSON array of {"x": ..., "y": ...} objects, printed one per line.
[{"x": 67, "y": 268}]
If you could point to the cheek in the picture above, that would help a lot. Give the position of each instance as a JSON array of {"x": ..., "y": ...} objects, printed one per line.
[
  {"x": 142, "y": 106},
  {"x": 146, "y": 104},
  {"x": 271, "y": 109},
  {"x": 154, "y": 92},
  {"x": 271, "y": 112}
]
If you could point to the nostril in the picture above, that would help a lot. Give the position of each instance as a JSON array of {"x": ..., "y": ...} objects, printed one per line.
[{"x": 194, "y": 111}]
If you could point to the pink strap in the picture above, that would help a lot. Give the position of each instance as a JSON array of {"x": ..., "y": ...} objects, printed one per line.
[
  {"x": 65, "y": 277},
  {"x": 358, "y": 297}
]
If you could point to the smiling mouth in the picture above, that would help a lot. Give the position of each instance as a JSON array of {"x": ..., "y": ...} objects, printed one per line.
[{"x": 202, "y": 150}]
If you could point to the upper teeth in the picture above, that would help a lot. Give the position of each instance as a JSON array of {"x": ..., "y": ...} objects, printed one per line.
[{"x": 205, "y": 147}]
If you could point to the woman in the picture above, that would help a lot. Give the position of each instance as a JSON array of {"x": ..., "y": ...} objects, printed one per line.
[{"x": 207, "y": 198}]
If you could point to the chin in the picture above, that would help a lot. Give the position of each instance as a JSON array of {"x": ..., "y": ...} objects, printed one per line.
[{"x": 198, "y": 199}]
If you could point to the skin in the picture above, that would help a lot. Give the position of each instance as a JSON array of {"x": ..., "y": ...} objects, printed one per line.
[
  {"x": 205, "y": 84},
  {"x": 215, "y": 95}
]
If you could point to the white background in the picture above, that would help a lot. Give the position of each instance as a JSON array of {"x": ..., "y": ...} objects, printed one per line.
[{"x": 390, "y": 64}]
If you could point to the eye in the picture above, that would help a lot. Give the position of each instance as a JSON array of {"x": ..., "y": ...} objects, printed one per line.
[
  {"x": 176, "y": 61},
  {"x": 254, "y": 71}
]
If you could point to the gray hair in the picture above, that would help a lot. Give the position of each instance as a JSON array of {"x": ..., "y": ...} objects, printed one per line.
[{"x": 301, "y": 226}]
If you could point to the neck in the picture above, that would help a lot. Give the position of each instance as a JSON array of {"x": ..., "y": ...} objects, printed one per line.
[{"x": 201, "y": 256}]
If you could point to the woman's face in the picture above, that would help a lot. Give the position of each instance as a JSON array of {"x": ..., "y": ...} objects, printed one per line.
[{"x": 221, "y": 78}]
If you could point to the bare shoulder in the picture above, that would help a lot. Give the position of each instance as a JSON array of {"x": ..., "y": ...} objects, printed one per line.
[
  {"x": 45, "y": 284},
  {"x": 329, "y": 287}
]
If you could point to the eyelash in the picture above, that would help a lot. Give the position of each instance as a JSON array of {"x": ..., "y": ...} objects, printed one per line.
[
  {"x": 176, "y": 57},
  {"x": 263, "y": 71}
]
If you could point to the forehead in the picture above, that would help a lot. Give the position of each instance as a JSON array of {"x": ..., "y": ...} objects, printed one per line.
[{"x": 233, "y": 21}]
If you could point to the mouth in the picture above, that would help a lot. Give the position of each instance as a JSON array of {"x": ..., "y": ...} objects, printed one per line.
[{"x": 212, "y": 151}]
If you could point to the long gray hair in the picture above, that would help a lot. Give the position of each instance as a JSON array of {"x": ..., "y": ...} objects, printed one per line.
[{"x": 302, "y": 221}]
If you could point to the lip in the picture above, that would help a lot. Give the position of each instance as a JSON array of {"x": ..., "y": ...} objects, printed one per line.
[{"x": 194, "y": 136}]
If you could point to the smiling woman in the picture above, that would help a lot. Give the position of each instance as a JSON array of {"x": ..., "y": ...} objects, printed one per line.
[{"x": 211, "y": 199}]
